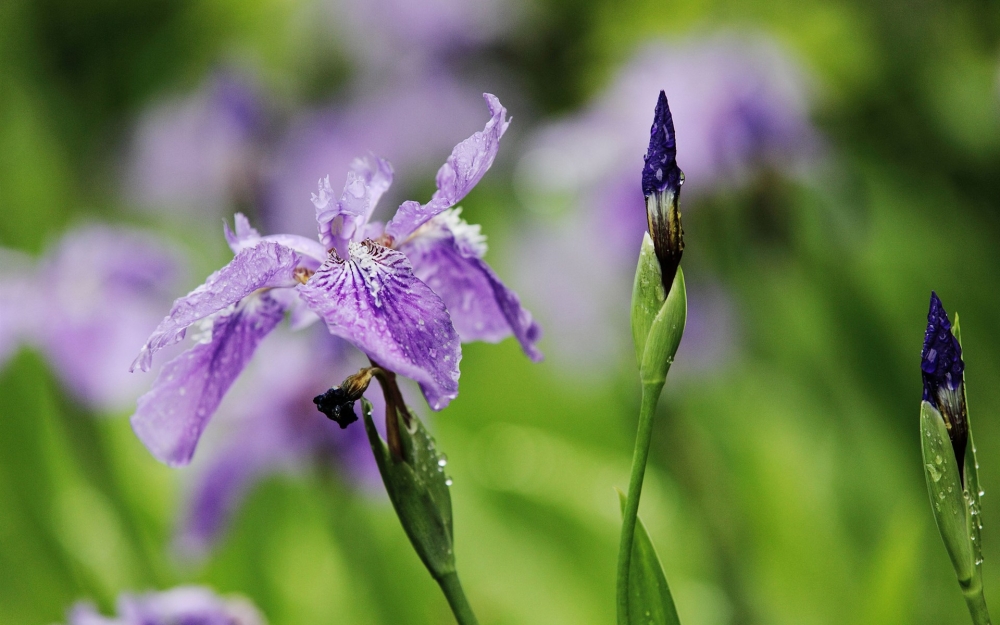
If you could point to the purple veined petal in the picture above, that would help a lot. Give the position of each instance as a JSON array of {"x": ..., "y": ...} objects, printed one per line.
[
  {"x": 343, "y": 220},
  {"x": 446, "y": 253},
  {"x": 468, "y": 163},
  {"x": 245, "y": 235},
  {"x": 170, "y": 418},
  {"x": 267, "y": 264},
  {"x": 374, "y": 301}
]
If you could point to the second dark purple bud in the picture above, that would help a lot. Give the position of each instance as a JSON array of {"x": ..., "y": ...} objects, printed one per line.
[{"x": 661, "y": 184}]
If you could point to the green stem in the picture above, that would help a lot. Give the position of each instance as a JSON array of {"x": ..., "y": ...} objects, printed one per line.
[
  {"x": 977, "y": 603},
  {"x": 460, "y": 607},
  {"x": 650, "y": 395}
]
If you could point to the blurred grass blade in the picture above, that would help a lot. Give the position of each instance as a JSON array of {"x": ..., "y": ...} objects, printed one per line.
[{"x": 649, "y": 599}]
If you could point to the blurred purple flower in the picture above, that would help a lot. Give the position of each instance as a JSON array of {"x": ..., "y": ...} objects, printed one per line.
[
  {"x": 200, "y": 152},
  {"x": 739, "y": 105},
  {"x": 85, "y": 304},
  {"x": 269, "y": 425},
  {"x": 184, "y": 605},
  {"x": 368, "y": 286},
  {"x": 388, "y": 33}
]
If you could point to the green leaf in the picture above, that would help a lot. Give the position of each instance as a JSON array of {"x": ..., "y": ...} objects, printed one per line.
[
  {"x": 657, "y": 319},
  {"x": 649, "y": 599},
  {"x": 647, "y": 295},
  {"x": 973, "y": 491},
  {"x": 948, "y": 500},
  {"x": 419, "y": 491}
]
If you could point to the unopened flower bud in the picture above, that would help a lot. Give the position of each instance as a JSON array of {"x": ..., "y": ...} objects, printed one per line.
[
  {"x": 943, "y": 370},
  {"x": 661, "y": 184},
  {"x": 949, "y": 453}
]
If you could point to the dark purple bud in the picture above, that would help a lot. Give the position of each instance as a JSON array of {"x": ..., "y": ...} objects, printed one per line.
[
  {"x": 337, "y": 406},
  {"x": 661, "y": 184},
  {"x": 660, "y": 171},
  {"x": 338, "y": 402},
  {"x": 943, "y": 374}
]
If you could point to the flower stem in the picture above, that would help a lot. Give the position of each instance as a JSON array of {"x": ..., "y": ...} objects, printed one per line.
[
  {"x": 460, "y": 607},
  {"x": 650, "y": 395},
  {"x": 977, "y": 603}
]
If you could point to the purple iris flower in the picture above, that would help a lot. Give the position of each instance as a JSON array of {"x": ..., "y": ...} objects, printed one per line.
[
  {"x": 739, "y": 105},
  {"x": 184, "y": 605},
  {"x": 405, "y": 294},
  {"x": 85, "y": 304}
]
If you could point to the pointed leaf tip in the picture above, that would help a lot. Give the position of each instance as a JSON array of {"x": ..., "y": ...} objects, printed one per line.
[{"x": 649, "y": 598}]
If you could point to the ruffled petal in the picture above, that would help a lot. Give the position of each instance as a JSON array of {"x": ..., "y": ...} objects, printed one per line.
[
  {"x": 170, "y": 418},
  {"x": 267, "y": 264},
  {"x": 468, "y": 163},
  {"x": 374, "y": 301},
  {"x": 447, "y": 255},
  {"x": 339, "y": 221},
  {"x": 245, "y": 235},
  {"x": 311, "y": 252}
]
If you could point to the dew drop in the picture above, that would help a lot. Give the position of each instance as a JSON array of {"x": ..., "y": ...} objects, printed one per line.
[
  {"x": 448, "y": 482},
  {"x": 934, "y": 472},
  {"x": 443, "y": 460},
  {"x": 938, "y": 459}
]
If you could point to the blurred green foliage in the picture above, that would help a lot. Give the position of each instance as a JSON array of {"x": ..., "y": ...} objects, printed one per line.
[{"x": 786, "y": 488}]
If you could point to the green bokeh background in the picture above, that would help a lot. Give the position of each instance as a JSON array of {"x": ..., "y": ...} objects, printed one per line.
[{"x": 784, "y": 489}]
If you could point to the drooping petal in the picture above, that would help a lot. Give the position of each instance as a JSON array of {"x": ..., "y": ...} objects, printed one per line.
[
  {"x": 447, "y": 255},
  {"x": 373, "y": 300},
  {"x": 170, "y": 418},
  {"x": 468, "y": 163},
  {"x": 267, "y": 264},
  {"x": 339, "y": 221}
]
